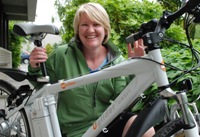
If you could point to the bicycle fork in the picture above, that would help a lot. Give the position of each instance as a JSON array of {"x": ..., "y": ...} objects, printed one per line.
[
  {"x": 191, "y": 127},
  {"x": 44, "y": 117}
]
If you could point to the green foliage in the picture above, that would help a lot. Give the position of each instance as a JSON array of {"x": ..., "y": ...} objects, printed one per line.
[
  {"x": 176, "y": 32},
  {"x": 66, "y": 13},
  {"x": 181, "y": 57},
  {"x": 49, "y": 49},
  {"x": 194, "y": 30},
  {"x": 171, "y": 5},
  {"x": 15, "y": 46}
]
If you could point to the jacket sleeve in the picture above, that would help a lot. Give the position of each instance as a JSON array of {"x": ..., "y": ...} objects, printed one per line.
[{"x": 34, "y": 71}]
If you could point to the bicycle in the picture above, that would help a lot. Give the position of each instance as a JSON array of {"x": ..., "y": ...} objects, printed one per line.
[{"x": 37, "y": 108}]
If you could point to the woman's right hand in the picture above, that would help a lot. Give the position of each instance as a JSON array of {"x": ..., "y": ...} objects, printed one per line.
[{"x": 37, "y": 55}]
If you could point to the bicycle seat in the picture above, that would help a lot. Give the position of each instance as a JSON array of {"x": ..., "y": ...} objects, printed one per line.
[{"x": 25, "y": 29}]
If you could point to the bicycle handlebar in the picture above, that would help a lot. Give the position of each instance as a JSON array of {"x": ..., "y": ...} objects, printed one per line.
[
  {"x": 144, "y": 28},
  {"x": 191, "y": 7}
]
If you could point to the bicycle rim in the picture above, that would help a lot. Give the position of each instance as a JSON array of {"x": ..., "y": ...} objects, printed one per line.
[
  {"x": 20, "y": 126},
  {"x": 17, "y": 125}
]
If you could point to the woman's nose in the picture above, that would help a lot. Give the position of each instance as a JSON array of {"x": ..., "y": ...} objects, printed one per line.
[{"x": 91, "y": 28}]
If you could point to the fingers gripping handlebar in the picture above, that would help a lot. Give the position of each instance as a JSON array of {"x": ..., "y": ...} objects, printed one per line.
[{"x": 159, "y": 26}]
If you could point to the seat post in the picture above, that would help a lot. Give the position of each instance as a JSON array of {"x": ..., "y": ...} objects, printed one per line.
[{"x": 45, "y": 77}]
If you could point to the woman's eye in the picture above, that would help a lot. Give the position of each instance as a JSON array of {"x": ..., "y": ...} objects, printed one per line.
[
  {"x": 83, "y": 24},
  {"x": 96, "y": 24}
]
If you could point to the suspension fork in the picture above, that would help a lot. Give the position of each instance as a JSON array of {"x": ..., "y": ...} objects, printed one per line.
[
  {"x": 182, "y": 100},
  {"x": 195, "y": 113},
  {"x": 190, "y": 127}
]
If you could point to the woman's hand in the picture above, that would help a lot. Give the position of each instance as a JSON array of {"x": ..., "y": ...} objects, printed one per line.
[
  {"x": 37, "y": 56},
  {"x": 138, "y": 49}
]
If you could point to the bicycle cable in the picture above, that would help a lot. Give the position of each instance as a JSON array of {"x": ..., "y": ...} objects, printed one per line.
[
  {"x": 30, "y": 94},
  {"x": 174, "y": 67}
]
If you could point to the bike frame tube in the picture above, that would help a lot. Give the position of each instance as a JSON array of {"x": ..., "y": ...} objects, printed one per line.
[
  {"x": 50, "y": 102},
  {"x": 137, "y": 67}
]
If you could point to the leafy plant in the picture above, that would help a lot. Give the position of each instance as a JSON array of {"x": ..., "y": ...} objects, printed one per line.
[
  {"x": 49, "y": 49},
  {"x": 15, "y": 46}
]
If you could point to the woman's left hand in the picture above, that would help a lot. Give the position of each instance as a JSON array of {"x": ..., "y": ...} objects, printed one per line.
[{"x": 138, "y": 49}]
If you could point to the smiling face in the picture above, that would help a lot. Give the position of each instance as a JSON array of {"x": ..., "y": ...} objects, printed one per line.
[
  {"x": 90, "y": 32},
  {"x": 91, "y": 19}
]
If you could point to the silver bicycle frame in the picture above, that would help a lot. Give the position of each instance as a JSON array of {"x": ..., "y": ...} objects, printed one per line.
[{"x": 146, "y": 72}]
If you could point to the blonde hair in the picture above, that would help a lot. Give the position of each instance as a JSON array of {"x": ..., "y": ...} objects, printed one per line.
[{"x": 97, "y": 13}]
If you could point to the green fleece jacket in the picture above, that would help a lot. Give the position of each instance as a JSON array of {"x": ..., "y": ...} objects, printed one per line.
[{"x": 78, "y": 108}]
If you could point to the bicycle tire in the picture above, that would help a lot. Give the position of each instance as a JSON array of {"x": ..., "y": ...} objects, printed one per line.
[
  {"x": 17, "y": 125},
  {"x": 171, "y": 128}
]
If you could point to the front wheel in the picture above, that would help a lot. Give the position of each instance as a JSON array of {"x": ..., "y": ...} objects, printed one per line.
[{"x": 16, "y": 125}]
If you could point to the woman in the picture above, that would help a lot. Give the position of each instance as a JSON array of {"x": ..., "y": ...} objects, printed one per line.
[{"x": 88, "y": 52}]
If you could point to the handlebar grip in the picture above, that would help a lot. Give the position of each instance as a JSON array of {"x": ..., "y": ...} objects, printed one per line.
[
  {"x": 189, "y": 7},
  {"x": 130, "y": 39},
  {"x": 133, "y": 37},
  {"x": 192, "y": 4},
  {"x": 144, "y": 28}
]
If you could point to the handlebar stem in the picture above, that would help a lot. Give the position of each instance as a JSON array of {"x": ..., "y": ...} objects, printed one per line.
[{"x": 152, "y": 38}]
